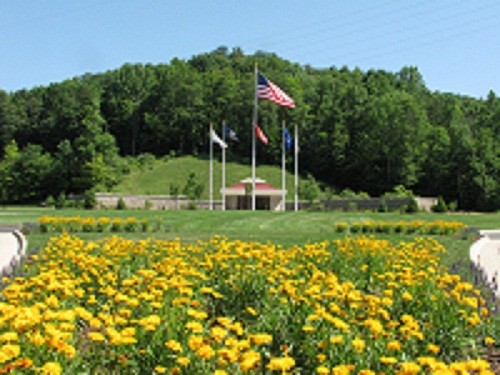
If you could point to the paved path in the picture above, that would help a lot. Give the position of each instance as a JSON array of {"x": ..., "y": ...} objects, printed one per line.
[{"x": 485, "y": 254}]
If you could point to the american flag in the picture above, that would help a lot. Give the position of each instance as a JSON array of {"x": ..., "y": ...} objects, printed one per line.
[
  {"x": 269, "y": 91},
  {"x": 260, "y": 134}
]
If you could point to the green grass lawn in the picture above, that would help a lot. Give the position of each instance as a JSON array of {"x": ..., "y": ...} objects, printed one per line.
[{"x": 285, "y": 228}]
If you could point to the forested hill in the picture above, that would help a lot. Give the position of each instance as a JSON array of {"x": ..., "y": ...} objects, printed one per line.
[{"x": 367, "y": 131}]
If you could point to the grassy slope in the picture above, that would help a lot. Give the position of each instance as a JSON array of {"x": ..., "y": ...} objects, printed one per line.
[{"x": 157, "y": 179}]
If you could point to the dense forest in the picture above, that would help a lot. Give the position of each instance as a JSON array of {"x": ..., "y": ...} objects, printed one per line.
[{"x": 365, "y": 131}]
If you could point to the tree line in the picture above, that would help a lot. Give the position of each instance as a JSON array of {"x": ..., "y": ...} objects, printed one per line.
[{"x": 365, "y": 131}]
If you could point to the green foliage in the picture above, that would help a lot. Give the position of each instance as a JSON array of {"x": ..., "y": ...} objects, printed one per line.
[
  {"x": 60, "y": 201},
  {"x": 89, "y": 200},
  {"x": 382, "y": 206},
  {"x": 367, "y": 131},
  {"x": 193, "y": 189},
  {"x": 50, "y": 201},
  {"x": 411, "y": 207},
  {"x": 309, "y": 190},
  {"x": 399, "y": 191},
  {"x": 440, "y": 206},
  {"x": 121, "y": 205}
]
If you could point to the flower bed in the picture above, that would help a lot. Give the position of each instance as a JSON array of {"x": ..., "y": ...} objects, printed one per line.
[
  {"x": 75, "y": 224},
  {"x": 437, "y": 227},
  {"x": 351, "y": 306}
]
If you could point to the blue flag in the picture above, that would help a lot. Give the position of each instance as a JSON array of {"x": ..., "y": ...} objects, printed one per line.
[
  {"x": 288, "y": 139},
  {"x": 231, "y": 134}
]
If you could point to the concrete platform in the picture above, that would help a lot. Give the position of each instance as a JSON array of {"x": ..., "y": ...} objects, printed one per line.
[
  {"x": 485, "y": 254},
  {"x": 13, "y": 246}
]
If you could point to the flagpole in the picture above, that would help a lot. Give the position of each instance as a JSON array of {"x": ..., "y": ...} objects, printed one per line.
[
  {"x": 224, "y": 167},
  {"x": 283, "y": 165},
  {"x": 254, "y": 123},
  {"x": 296, "y": 167},
  {"x": 211, "y": 177}
]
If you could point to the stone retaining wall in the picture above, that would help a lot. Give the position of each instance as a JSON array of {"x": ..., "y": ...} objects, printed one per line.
[{"x": 165, "y": 202}]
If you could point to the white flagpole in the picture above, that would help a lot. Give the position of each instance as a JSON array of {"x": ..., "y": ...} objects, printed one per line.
[
  {"x": 296, "y": 164},
  {"x": 211, "y": 177},
  {"x": 224, "y": 167},
  {"x": 283, "y": 164},
  {"x": 254, "y": 123}
]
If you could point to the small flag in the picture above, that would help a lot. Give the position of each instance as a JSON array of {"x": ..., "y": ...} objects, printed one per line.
[
  {"x": 269, "y": 91},
  {"x": 215, "y": 138},
  {"x": 288, "y": 139},
  {"x": 260, "y": 134},
  {"x": 231, "y": 134}
]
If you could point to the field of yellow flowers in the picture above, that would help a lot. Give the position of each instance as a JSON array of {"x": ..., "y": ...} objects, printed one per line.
[{"x": 351, "y": 306}]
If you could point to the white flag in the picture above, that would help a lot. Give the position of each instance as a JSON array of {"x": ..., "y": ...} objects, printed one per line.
[{"x": 215, "y": 138}]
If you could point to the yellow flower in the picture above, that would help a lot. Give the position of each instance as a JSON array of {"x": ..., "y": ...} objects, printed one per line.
[
  {"x": 224, "y": 321},
  {"x": 435, "y": 349},
  {"x": 51, "y": 368},
  {"x": 408, "y": 368},
  {"x": 337, "y": 339},
  {"x": 308, "y": 329},
  {"x": 9, "y": 336},
  {"x": 196, "y": 314},
  {"x": 342, "y": 369},
  {"x": 196, "y": 327},
  {"x": 407, "y": 296},
  {"x": 249, "y": 360},
  {"x": 358, "y": 344},
  {"x": 174, "y": 346},
  {"x": 96, "y": 336},
  {"x": 489, "y": 340},
  {"x": 251, "y": 311},
  {"x": 322, "y": 370},
  {"x": 281, "y": 364},
  {"x": 261, "y": 338},
  {"x": 183, "y": 361},
  {"x": 218, "y": 333},
  {"x": 394, "y": 345},
  {"x": 160, "y": 369},
  {"x": 194, "y": 342},
  {"x": 388, "y": 360},
  {"x": 205, "y": 351},
  {"x": 220, "y": 372}
]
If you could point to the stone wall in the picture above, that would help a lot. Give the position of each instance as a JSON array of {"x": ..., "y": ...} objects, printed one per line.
[{"x": 165, "y": 202}]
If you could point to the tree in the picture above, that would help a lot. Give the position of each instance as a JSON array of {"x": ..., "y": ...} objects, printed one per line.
[
  {"x": 310, "y": 189},
  {"x": 193, "y": 189}
]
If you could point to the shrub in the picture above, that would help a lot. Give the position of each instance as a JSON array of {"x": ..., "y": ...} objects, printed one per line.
[
  {"x": 120, "y": 205},
  {"x": 148, "y": 205},
  {"x": 411, "y": 207},
  {"x": 89, "y": 199},
  {"x": 50, "y": 201},
  {"x": 60, "y": 201},
  {"x": 440, "y": 206},
  {"x": 382, "y": 207},
  {"x": 352, "y": 206},
  {"x": 316, "y": 207}
]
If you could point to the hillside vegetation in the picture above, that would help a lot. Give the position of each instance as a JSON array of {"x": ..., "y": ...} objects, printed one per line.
[
  {"x": 368, "y": 131},
  {"x": 157, "y": 177}
]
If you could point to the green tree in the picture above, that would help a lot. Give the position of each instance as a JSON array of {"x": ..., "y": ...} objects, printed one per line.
[{"x": 310, "y": 189}]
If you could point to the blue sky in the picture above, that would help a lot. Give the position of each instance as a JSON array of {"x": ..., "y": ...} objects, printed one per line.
[{"x": 454, "y": 43}]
